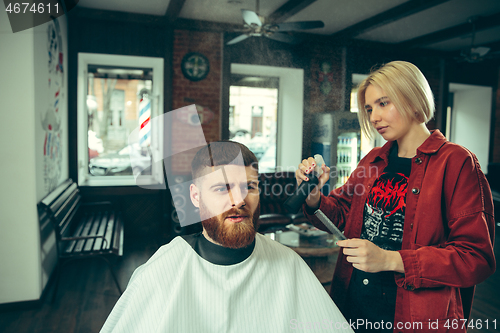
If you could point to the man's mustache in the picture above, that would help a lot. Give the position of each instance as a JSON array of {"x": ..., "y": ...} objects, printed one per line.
[{"x": 237, "y": 212}]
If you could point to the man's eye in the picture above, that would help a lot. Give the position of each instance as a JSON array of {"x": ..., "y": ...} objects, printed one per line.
[{"x": 221, "y": 189}]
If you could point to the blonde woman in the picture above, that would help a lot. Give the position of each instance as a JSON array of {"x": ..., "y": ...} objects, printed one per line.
[{"x": 417, "y": 212}]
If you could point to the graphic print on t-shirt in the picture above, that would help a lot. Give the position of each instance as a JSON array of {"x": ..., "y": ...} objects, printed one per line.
[{"x": 385, "y": 210}]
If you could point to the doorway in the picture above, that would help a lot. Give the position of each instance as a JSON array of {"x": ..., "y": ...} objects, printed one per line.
[{"x": 469, "y": 119}]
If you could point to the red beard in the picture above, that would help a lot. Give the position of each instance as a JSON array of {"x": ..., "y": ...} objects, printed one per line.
[{"x": 232, "y": 235}]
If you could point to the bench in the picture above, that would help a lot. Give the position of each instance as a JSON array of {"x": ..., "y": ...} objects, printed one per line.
[{"x": 82, "y": 230}]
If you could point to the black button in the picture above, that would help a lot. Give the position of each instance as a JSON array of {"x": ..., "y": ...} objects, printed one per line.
[
  {"x": 410, "y": 287},
  {"x": 418, "y": 160},
  {"x": 415, "y": 190}
]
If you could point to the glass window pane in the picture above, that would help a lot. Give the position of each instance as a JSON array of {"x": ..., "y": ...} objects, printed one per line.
[
  {"x": 118, "y": 101},
  {"x": 253, "y": 119}
]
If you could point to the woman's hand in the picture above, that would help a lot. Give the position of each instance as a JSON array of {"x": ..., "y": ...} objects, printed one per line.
[
  {"x": 368, "y": 257},
  {"x": 305, "y": 168}
]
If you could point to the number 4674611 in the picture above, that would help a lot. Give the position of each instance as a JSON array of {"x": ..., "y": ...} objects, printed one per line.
[
  {"x": 471, "y": 323},
  {"x": 36, "y": 8}
]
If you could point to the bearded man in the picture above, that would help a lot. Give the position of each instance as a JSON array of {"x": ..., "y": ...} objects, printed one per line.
[{"x": 228, "y": 278}]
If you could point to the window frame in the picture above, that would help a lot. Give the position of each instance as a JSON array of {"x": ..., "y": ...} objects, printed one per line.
[
  {"x": 290, "y": 98},
  {"x": 86, "y": 59}
]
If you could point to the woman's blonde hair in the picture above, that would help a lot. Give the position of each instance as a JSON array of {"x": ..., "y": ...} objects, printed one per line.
[{"x": 405, "y": 86}]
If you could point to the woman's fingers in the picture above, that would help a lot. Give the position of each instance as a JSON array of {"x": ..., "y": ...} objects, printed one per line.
[
  {"x": 300, "y": 173},
  {"x": 308, "y": 165},
  {"x": 323, "y": 179},
  {"x": 300, "y": 176},
  {"x": 312, "y": 162},
  {"x": 305, "y": 168}
]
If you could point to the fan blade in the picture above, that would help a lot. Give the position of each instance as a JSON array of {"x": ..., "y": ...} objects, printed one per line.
[
  {"x": 284, "y": 38},
  {"x": 237, "y": 39},
  {"x": 304, "y": 25},
  {"x": 250, "y": 17},
  {"x": 481, "y": 50},
  {"x": 494, "y": 53}
]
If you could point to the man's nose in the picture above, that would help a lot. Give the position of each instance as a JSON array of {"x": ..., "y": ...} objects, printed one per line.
[{"x": 237, "y": 197}]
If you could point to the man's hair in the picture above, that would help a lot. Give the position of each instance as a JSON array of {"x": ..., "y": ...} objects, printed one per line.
[
  {"x": 222, "y": 153},
  {"x": 405, "y": 86}
]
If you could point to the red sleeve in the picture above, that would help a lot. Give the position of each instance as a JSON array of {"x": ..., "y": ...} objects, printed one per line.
[
  {"x": 467, "y": 257},
  {"x": 338, "y": 203}
]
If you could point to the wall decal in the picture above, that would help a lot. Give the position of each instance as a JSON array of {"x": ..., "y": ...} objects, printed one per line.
[
  {"x": 325, "y": 77},
  {"x": 195, "y": 66},
  {"x": 51, "y": 120}
]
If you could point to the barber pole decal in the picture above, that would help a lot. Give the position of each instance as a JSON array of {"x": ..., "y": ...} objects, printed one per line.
[{"x": 144, "y": 121}]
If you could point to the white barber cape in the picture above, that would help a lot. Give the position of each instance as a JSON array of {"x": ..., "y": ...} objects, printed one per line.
[{"x": 272, "y": 290}]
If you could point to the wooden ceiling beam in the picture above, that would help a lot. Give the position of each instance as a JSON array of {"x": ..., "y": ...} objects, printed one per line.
[
  {"x": 288, "y": 9},
  {"x": 114, "y": 16},
  {"x": 173, "y": 10},
  {"x": 397, "y": 13},
  {"x": 482, "y": 23},
  {"x": 199, "y": 25}
]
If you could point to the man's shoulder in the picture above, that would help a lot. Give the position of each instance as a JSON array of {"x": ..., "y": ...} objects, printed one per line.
[
  {"x": 170, "y": 253},
  {"x": 175, "y": 246},
  {"x": 275, "y": 248}
]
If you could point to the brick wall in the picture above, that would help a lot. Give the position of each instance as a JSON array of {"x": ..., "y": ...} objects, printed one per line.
[
  {"x": 325, "y": 101},
  {"x": 206, "y": 92}
]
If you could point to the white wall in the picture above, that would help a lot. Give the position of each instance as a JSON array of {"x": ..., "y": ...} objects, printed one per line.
[
  {"x": 50, "y": 110},
  {"x": 51, "y": 169},
  {"x": 471, "y": 119},
  {"x": 26, "y": 173},
  {"x": 19, "y": 232},
  {"x": 290, "y": 110}
]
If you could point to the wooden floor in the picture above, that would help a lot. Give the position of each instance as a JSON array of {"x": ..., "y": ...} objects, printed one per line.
[
  {"x": 486, "y": 304},
  {"x": 87, "y": 294},
  {"x": 85, "y": 298}
]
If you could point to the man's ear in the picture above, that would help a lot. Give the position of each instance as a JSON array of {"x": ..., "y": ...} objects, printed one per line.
[{"x": 194, "y": 194}]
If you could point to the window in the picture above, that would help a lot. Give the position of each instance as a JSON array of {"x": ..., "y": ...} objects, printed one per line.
[
  {"x": 117, "y": 98},
  {"x": 253, "y": 117},
  {"x": 289, "y": 114}
]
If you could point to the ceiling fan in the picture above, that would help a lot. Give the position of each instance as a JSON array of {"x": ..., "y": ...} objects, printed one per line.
[
  {"x": 255, "y": 25},
  {"x": 473, "y": 53}
]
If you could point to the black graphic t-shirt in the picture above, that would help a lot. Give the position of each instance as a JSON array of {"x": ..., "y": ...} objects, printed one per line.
[
  {"x": 384, "y": 212},
  {"x": 372, "y": 296}
]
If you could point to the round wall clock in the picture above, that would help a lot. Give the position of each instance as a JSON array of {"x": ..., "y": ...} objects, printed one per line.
[{"x": 195, "y": 66}]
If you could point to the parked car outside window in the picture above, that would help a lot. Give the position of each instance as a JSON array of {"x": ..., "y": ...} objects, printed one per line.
[{"x": 119, "y": 164}]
